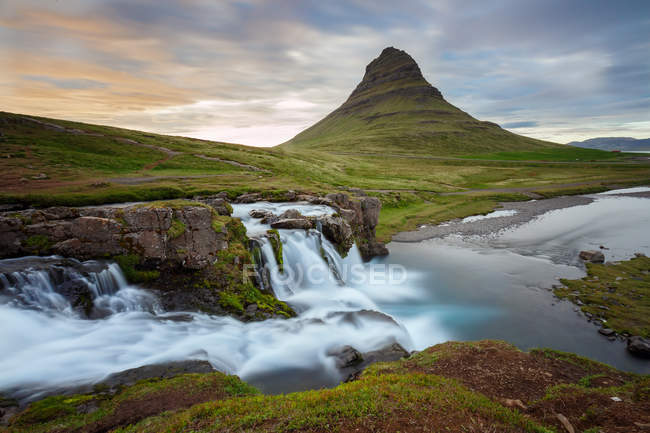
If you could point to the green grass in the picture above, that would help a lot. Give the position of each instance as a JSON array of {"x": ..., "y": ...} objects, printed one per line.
[
  {"x": 562, "y": 153},
  {"x": 92, "y": 178},
  {"x": 129, "y": 265},
  {"x": 622, "y": 288}
]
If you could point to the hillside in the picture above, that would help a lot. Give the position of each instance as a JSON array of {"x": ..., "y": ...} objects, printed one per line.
[
  {"x": 394, "y": 109},
  {"x": 614, "y": 143}
]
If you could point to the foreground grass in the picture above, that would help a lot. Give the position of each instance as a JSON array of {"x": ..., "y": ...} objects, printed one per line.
[
  {"x": 459, "y": 387},
  {"x": 616, "y": 292}
]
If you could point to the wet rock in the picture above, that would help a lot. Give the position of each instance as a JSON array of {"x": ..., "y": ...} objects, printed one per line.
[
  {"x": 260, "y": 213},
  {"x": 293, "y": 223},
  {"x": 592, "y": 256},
  {"x": 291, "y": 214},
  {"x": 337, "y": 231},
  {"x": 639, "y": 346},
  {"x": 156, "y": 371},
  {"x": 351, "y": 362}
]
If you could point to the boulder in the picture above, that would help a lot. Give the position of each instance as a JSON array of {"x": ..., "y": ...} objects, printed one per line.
[
  {"x": 607, "y": 332},
  {"x": 337, "y": 231},
  {"x": 260, "y": 213},
  {"x": 592, "y": 256},
  {"x": 219, "y": 204},
  {"x": 293, "y": 223},
  {"x": 350, "y": 362},
  {"x": 639, "y": 346},
  {"x": 291, "y": 214}
]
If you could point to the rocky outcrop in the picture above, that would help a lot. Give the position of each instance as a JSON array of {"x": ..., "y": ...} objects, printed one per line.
[
  {"x": 639, "y": 346},
  {"x": 350, "y": 362},
  {"x": 355, "y": 220},
  {"x": 592, "y": 256},
  {"x": 179, "y": 234}
]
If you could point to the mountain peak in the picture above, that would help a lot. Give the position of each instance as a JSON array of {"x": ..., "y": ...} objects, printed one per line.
[{"x": 393, "y": 70}]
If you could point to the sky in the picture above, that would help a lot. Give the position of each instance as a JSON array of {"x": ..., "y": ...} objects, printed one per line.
[{"x": 257, "y": 72}]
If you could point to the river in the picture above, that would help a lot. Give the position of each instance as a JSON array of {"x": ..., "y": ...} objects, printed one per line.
[{"x": 454, "y": 288}]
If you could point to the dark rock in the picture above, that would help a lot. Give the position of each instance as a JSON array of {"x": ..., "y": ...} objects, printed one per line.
[
  {"x": 260, "y": 213},
  {"x": 592, "y": 256},
  {"x": 293, "y": 223},
  {"x": 337, "y": 231},
  {"x": 155, "y": 371},
  {"x": 639, "y": 346},
  {"x": 351, "y": 362},
  {"x": 219, "y": 204},
  {"x": 291, "y": 214}
]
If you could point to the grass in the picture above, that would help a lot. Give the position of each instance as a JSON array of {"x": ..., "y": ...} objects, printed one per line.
[
  {"x": 619, "y": 293},
  {"x": 563, "y": 153},
  {"x": 82, "y": 173},
  {"x": 130, "y": 264}
]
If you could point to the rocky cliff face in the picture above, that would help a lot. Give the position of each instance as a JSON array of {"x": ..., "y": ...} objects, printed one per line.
[{"x": 177, "y": 233}]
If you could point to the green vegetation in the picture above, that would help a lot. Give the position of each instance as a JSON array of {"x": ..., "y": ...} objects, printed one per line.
[
  {"x": 129, "y": 265},
  {"x": 276, "y": 243},
  {"x": 233, "y": 265},
  {"x": 148, "y": 397},
  {"x": 560, "y": 153},
  {"x": 38, "y": 244},
  {"x": 177, "y": 228},
  {"x": 617, "y": 292},
  {"x": 418, "y": 176},
  {"x": 448, "y": 387}
]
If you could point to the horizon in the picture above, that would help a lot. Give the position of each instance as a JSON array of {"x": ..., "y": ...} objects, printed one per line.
[{"x": 257, "y": 73}]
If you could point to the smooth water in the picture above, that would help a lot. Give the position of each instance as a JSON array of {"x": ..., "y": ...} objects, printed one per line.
[{"x": 422, "y": 294}]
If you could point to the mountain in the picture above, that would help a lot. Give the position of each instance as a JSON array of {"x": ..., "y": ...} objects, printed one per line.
[
  {"x": 614, "y": 143},
  {"x": 395, "y": 109}
]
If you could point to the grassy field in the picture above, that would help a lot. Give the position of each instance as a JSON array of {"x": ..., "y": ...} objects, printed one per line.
[{"x": 53, "y": 162}]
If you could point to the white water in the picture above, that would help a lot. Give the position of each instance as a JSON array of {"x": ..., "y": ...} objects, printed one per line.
[
  {"x": 46, "y": 343},
  {"x": 455, "y": 290},
  {"x": 495, "y": 214}
]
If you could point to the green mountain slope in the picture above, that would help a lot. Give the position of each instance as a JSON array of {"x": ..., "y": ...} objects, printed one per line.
[{"x": 394, "y": 109}]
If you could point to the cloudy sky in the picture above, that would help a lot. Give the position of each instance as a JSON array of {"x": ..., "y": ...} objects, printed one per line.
[{"x": 258, "y": 71}]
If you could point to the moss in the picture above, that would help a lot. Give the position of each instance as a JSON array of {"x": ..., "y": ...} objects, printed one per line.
[
  {"x": 580, "y": 361},
  {"x": 616, "y": 292},
  {"x": 38, "y": 244},
  {"x": 177, "y": 228},
  {"x": 276, "y": 244},
  {"x": 129, "y": 265},
  {"x": 219, "y": 222}
]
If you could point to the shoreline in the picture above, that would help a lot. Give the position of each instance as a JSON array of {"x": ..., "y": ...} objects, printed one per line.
[{"x": 523, "y": 212}]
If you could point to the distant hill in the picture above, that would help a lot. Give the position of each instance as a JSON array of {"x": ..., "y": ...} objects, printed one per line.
[
  {"x": 614, "y": 143},
  {"x": 395, "y": 109}
]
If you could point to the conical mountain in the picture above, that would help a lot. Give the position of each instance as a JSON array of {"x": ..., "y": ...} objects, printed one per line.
[{"x": 395, "y": 109}]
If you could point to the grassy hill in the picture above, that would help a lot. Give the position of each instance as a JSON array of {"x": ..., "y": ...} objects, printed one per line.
[
  {"x": 394, "y": 109},
  {"x": 45, "y": 162}
]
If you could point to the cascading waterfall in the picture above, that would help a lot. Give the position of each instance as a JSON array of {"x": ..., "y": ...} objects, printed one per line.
[{"x": 42, "y": 333}]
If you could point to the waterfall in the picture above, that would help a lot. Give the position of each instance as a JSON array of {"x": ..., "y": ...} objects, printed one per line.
[
  {"x": 67, "y": 286},
  {"x": 43, "y": 332}
]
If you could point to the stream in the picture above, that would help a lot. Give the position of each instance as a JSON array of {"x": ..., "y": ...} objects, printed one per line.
[{"x": 454, "y": 288}]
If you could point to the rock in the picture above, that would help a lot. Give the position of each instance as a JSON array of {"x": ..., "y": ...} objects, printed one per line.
[
  {"x": 346, "y": 356},
  {"x": 291, "y": 214},
  {"x": 642, "y": 426},
  {"x": 78, "y": 294},
  {"x": 293, "y": 223},
  {"x": 161, "y": 371},
  {"x": 514, "y": 403},
  {"x": 337, "y": 231},
  {"x": 592, "y": 256},
  {"x": 219, "y": 204},
  {"x": 565, "y": 423},
  {"x": 351, "y": 362},
  {"x": 260, "y": 213},
  {"x": 249, "y": 198},
  {"x": 639, "y": 346}
]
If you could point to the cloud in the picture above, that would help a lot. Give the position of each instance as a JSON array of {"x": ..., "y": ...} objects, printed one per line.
[{"x": 258, "y": 71}]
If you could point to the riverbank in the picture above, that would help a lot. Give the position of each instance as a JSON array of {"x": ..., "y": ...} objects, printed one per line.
[
  {"x": 470, "y": 386},
  {"x": 508, "y": 215}
]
